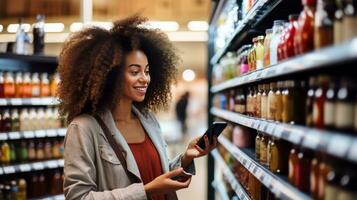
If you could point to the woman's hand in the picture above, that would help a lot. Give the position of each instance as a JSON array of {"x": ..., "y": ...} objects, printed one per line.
[
  {"x": 194, "y": 151},
  {"x": 165, "y": 183}
]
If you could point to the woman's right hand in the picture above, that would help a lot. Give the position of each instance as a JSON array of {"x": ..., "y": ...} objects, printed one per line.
[{"x": 165, "y": 183}]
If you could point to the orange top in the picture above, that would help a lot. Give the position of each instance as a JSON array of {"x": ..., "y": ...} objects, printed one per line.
[{"x": 148, "y": 161}]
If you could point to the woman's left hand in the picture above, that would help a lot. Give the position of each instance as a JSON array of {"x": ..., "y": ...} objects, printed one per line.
[{"x": 194, "y": 151}]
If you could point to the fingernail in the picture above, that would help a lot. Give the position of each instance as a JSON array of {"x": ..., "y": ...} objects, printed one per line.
[{"x": 206, "y": 136}]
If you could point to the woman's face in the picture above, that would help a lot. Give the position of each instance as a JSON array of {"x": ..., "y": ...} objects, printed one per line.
[{"x": 136, "y": 76}]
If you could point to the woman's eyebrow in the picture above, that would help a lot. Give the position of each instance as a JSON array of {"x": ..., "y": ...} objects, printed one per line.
[{"x": 137, "y": 65}]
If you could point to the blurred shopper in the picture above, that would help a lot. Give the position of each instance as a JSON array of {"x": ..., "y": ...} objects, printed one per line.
[
  {"x": 181, "y": 111},
  {"x": 110, "y": 83}
]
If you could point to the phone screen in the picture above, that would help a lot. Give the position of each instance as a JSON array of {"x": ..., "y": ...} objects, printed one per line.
[{"x": 214, "y": 130}]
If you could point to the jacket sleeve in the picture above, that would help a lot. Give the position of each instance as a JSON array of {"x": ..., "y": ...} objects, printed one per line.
[{"x": 80, "y": 170}]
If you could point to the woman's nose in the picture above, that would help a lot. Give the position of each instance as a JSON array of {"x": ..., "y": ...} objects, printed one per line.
[{"x": 144, "y": 78}]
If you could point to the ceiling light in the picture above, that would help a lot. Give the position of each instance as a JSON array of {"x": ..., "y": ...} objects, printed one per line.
[
  {"x": 54, "y": 27},
  {"x": 12, "y": 28},
  {"x": 188, "y": 75},
  {"x": 163, "y": 25},
  {"x": 188, "y": 36},
  {"x": 76, "y": 26},
  {"x": 197, "y": 25}
]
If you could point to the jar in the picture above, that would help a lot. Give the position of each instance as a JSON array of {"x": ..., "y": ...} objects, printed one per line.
[
  {"x": 324, "y": 15},
  {"x": 268, "y": 35},
  {"x": 319, "y": 101},
  {"x": 259, "y": 51},
  {"x": 330, "y": 106},
  {"x": 264, "y": 101},
  {"x": 288, "y": 48},
  {"x": 302, "y": 177},
  {"x": 345, "y": 105},
  {"x": 349, "y": 21},
  {"x": 275, "y": 39},
  {"x": 272, "y": 102},
  {"x": 244, "y": 66},
  {"x": 304, "y": 37},
  {"x": 337, "y": 24},
  {"x": 279, "y": 101},
  {"x": 310, "y": 101},
  {"x": 264, "y": 150},
  {"x": 281, "y": 55}
]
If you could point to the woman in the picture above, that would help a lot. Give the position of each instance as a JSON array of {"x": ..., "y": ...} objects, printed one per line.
[{"x": 110, "y": 82}]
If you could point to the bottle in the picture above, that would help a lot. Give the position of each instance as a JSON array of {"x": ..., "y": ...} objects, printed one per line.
[
  {"x": 257, "y": 145},
  {"x": 268, "y": 35},
  {"x": 27, "y": 91},
  {"x": 6, "y": 121},
  {"x": 22, "y": 152},
  {"x": 302, "y": 177},
  {"x": 287, "y": 102},
  {"x": 259, "y": 51},
  {"x": 281, "y": 54},
  {"x": 348, "y": 184},
  {"x": 24, "y": 120},
  {"x": 2, "y": 85},
  {"x": 40, "y": 118},
  {"x": 45, "y": 86},
  {"x": 314, "y": 174},
  {"x": 249, "y": 102},
  {"x": 310, "y": 101},
  {"x": 264, "y": 101},
  {"x": 9, "y": 85},
  {"x": 19, "y": 85},
  {"x": 344, "y": 119},
  {"x": 275, "y": 39},
  {"x": 48, "y": 150},
  {"x": 337, "y": 25},
  {"x": 14, "y": 190},
  {"x": 20, "y": 38},
  {"x": 5, "y": 153},
  {"x": 304, "y": 37},
  {"x": 259, "y": 101},
  {"x": 279, "y": 101},
  {"x": 56, "y": 186},
  {"x": 324, "y": 15},
  {"x": 33, "y": 123},
  {"x": 22, "y": 189},
  {"x": 244, "y": 66},
  {"x": 332, "y": 185},
  {"x": 349, "y": 21},
  {"x": 319, "y": 101},
  {"x": 288, "y": 48},
  {"x": 278, "y": 158},
  {"x": 330, "y": 106},
  {"x": 263, "y": 150},
  {"x": 254, "y": 101},
  {"x": 293, "y": 161},
  {"x": 252, "y": 56},
  {"x": 56, "y": 149},
  {"x": 271, "y": 108},
  {"x": 34, "y": 190},
  {"x": 40, "y": 152},
  {"x": 39, "y": 35},
  {"x": 31, "y": 151},
  {"x": 324, "y": 169},
  {"x": 35, "y": 83},
  {"x": 15, "y": 121},
  {"x": 13, "y": 158}
]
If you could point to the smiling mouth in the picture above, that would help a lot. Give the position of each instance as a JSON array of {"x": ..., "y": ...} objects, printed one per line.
[{"x": 141, "y": 89}]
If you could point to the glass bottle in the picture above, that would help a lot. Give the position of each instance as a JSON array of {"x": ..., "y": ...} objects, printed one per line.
[
  {"x": 348, "y": 184},
  {"x": 279, "y": 101},
  {"x": 23, "y": 154},
  {"x": 302, "y": 177},
  {"x": 40, "y": 118},
  {"x": 33, "y": 123},
  {"x": 35, "y": 83},
  {"x": 259, "y": 51},
  {"x": 263, "y": 149},
  {"x": 39, "y": 35},
  {"x": 9, "y": 85},
  {"x": 2, "y": 85},
  {"x": 324, "y": 169},
  {"x": 257, "y": 145},
  {"x": 259, "y": 101},
  {"x": 288, "y": 48},
  {"x": 310, "y": 101},
  {"x": 254, "y": 101},
  {"x": 40, "y": 153},
  {"x": 332, "y": 185},
  {"x": 27, "y": 90},
  {"x": 31, "y": 151},
  {"x": 287, "y": 103},
  {"x": 314, "y": 174},
  {"x": 272, "y": 102},
  {"x": 13, "y": 158},
  {"x": 304, "y": 37},
  {"x": 268, "y": 35},
  {"x": 281, "y": 54},
  {"x": 15, "y": 121},
  {"x": 45, "y": 86},
  {"x": 14, "y": 190},
  {"x": 252, "y": 56},
  {"x": 22, "y": 189},
  {"x": 56, "y": 149},
  {"x": 249, "y": 102},
  {"x": 293, "y": 161},
  {"x": 20, "y": 38},
  {"x": 48, "y": 150},
  {"x": 324, "y": 15},
  {"x": 19, "y": 86},
  {"x": 41, "y": 185},
  {"x": 244, "y": 66},
  {"x": 24, "y": 120},
  {"x": 6, "y": 121},
  {"x": 5, "y": 153},
  {"x": 337, "y": 24},
  {"x": 56, "y": 186},
  {"x": 344, "y": 119},
  {"x": 349, "y": 21},
  {"x": 275, "y": 39},
  {"x": 330, "y": 106}
]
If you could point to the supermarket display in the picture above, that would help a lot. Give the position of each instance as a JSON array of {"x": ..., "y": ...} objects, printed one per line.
[{"x": 290, "y": 95}]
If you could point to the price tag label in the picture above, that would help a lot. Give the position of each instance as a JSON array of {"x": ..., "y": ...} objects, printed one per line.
[
  {"x": 246, "y": 78},
  {"x": 311, "y": 140},
  {"x": 3, "y": 102},
  {"x": 62, "y": 132},
  {"x": 271, "y": 128},
  {"x": 266, "y": 180},
  {"x": 352, "y": 153},
  {"x": 16, "y": 101},
  {"x": 3, "y": 136},
  {"x": 61, "y": 163},
  {"x": 1, "y": 171},
  {"x": 294, "y": 136},
  {"x": 256, "y": 125},
  {"x": 40, "y": 133},
  {"x": 339, "y": 145},
  {"x": 259, "y": 75},
  {"x": 259, "y": 174},
  {"x": 51, "y": 133},
  {"x": 52, "y": 164},
  {"x": 14, "y": 135},
  {"x": 271, "y": 71},
  {"x": 29, "y": 134},
  {"x": 9, "y": 170},
  {"x": 278, "y": 131},
  {"x": 38, "y": 166},
  {"x": 59, "y": 197},
  {"x": 26, "y": 101},
  {"x": 25, "y": 167}
]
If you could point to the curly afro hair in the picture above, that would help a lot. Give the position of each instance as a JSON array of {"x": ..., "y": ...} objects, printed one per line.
[{"x": 91, "y": 67}]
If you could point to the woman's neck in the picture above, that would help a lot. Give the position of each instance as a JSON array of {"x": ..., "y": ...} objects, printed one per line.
[{"x": 122, "y": 111}]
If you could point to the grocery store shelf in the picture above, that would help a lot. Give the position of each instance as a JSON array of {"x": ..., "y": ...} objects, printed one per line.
[
  {"x": 219, "y": 187},
  {"x": 37, "y": 101},
  {"x": 53, "y": 197},
  {"x": 238, "y": 189},
  {"x": 281, "y": 188},
  {"x": 324, "y": 58},
  {"x": 33, "y": 134},
  {"x": 30, "y": 167},
  {"x": 331, "y": 142},
  {"x": 30, "y": 58}
]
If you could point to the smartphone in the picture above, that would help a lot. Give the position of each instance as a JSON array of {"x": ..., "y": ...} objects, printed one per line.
[{"x": 214, "y": 130}]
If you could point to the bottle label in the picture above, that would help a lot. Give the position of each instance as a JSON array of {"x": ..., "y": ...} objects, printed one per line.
[
  {"x": 244, "y": 68},
  {"x": 344, "y": 115},
  {"x": 329, "y": 113}
]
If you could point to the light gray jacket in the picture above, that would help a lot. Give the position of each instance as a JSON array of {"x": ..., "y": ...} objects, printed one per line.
[{"x": 92, "y": 170}]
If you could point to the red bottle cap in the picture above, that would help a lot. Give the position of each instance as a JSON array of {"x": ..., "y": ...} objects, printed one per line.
[{"x": 309, "y": 2}]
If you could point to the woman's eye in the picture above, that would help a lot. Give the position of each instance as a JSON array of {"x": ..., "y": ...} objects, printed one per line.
[
  {"x": 134, "y": 73},
  {"x": 147, "y": 72}
]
